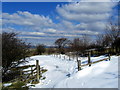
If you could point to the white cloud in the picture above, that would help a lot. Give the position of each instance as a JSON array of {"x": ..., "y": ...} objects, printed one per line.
[
  {"x": 71, "y": 35},
  {"x": 28, "y": 37},
  {"x": 51, "y": 30},
  {"x": 88, "y": 32},
  {"x": 67, "y": 25},
  {"x": 89, "y": 8},
  {"x": 89, "y": 16},
  {"x": 75, "y": 19},
  {"x": 85, "y": 12},
  {"x": 33, "y": 37},
  {"x": 81, "y": 26},
  {"x": 97, "y": 26},
  {"x": 32, "y": 33},
  {"x": 27, "y": 19}
]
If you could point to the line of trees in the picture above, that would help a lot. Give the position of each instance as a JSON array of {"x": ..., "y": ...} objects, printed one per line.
[
  {"x": 76, "y": 45},
  {"x": 110, "y": 40}
]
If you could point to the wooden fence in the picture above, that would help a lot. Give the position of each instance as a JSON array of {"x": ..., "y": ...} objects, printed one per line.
[
  {"x": 79, "y": 63},
  {"x": 32, "y": 75},
  {"x": 89, "y": 62},
  {"x": 63, "y": 57}
]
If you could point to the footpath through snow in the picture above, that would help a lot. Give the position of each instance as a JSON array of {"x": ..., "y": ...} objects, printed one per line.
[{"x": 63, "y": 73}]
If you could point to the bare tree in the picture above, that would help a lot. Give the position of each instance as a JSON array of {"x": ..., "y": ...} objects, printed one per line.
[
  {"x": 113, "y": 32},
  {"x": 75, "y": 45},
  {"x": 103, "y": 40},
  {"x": 80, "y": 44},
  {"x": 110, "y": 36},
  {"x": 61, "y": 43},
  {"x": 14, "y": 51},
  {"x": 86, "y": 40},
  {"x": 116, "y": 44}
]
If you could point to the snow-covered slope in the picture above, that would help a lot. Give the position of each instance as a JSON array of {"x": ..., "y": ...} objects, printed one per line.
[{"x": 63, "y": 73}]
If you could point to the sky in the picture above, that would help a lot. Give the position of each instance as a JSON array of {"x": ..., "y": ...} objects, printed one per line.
[{"x": 44, "y": 22}]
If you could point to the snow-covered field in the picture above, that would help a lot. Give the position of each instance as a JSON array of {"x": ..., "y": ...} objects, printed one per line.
[{"x": 63, "y": 73}]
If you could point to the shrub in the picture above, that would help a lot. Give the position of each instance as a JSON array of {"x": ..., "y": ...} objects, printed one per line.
[
  {"x": 40, "y": 49},
  {"x": 13, "y": 52}
]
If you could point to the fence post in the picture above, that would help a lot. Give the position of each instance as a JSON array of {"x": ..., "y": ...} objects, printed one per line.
[
  {"x": 60, "y": 56},
  {"x": 73, "y": 57},
  {"x": 109, "y": 57},
  {"x": 89, "y": 60},
  {"x": 79, "y": 65},
  {"x": 77, "y": 58},
  {"x": 20, "y": 75},
  {"x": 56, "y": 55},
  {"x": 39, "y": 71},
  {"x": 69, "y": 57},
  {"x": 64, "y": 57},
  {"x": 37, "y": 68},
  {"x": 31, "y": 71}
]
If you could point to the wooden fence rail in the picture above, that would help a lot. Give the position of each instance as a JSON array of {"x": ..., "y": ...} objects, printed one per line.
[
  {"x": 33, "y": 74},
  {"x": 89, "y": 62},
  {"x": 95, "y": 62},
  {"x": 79, "y": 63}
]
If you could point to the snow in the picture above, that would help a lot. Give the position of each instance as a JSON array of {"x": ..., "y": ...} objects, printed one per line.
[
  {"x": 7, "y": 84},
  {"x": 63, "y": 73}
]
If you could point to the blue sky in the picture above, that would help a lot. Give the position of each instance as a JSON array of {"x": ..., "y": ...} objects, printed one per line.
[
  {"x": 41, "y": 8},
  {"x": 44, "y": 22}
]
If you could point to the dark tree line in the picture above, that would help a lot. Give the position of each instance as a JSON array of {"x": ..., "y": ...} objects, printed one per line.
[
  {"x": 110, "y": 39},
  {"x": 14, "y": 52},
  {"x": 76, "y": 45}
]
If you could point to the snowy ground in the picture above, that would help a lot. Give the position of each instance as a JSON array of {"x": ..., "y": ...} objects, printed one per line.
[{"x": 63, "y": 73}]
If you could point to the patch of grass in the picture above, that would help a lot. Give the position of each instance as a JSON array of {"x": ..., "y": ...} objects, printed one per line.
[
  {"x": 0, "y": 85},
  {"x": 19, "y": 85}
]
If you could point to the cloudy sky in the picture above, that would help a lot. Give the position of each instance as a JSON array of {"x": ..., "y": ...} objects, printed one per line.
[{"x": 44, "y": 22}]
